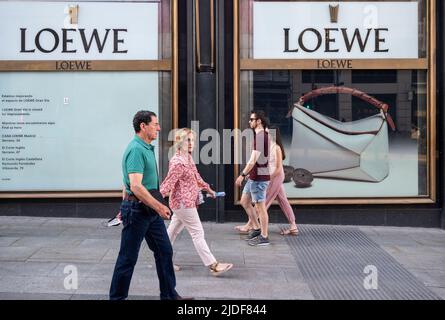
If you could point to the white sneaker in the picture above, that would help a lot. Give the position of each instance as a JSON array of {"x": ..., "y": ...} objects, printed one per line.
[{"x": 114, "y": 222}]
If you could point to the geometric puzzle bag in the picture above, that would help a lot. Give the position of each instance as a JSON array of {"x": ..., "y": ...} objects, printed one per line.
[{"x": 328, "y": 148}]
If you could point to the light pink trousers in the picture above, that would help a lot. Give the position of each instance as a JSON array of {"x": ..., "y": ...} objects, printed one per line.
[
  {"x": 189, "y": 218},
  {"x": 275, "y": 190}
]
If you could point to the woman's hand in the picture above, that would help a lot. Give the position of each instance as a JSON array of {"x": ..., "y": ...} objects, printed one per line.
[{"x": 212, "y": 193}]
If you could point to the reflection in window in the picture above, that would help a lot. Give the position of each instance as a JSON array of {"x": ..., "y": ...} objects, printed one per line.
[
  {"x": 374, "y": 76},
  {"x": 404, "y": 91}
]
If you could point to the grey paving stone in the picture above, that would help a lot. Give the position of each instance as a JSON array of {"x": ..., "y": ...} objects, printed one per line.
[
  {"x": 7, "y": 241},
  {"x": 281, "y": 290},
  {"x": 16, "y": 253},
  {"x": 69, "y": 255},
  {"x": 6, "y": 267},
  {"x": 22, "y": 221},
  {"x": 293, "y": 274},
  {"x": 29, "y": 269},
  {"x": 145, "y": 254},
  {"x": 103, "y": 243},
  {"x": 226, "y": 245},
  {"x": 14, "y": 284},
  {"x": 259, "y": 258},
  {"x": 428, "y": 261},
  {"x": 30, "y": 231},
  {"x": 33, "y": 296},
  {"x": 430, "y": 240},
  {"x": 231, "y": 235},
  {"x": 413, "y": 250},
  {"x": 99, "y": 269},
  {"x": 94, "y": 285},
  {"x": 52, "y": 242},
  {"x": 184, "y": 257},
  {"x": 101, "y": 286},
  {"x": 76, "y": 222},
  {"x": 439, "y": 291},
  {"x": 430, "y": 277},
  {"x": 252, "y": 274},
  {"x": 90, "y": 233},
  {"x": 81, "y": 296},
  {"x": 110, "y": 256},
  {"x": 208, "y": 290},
  {"x": 397, "y": 239},
  {"x": 48, "y": 285}
]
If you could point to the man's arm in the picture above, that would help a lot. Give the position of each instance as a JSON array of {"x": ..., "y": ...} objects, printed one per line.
[
  {"x": 144, "y": 195},
  {"x": 253, "y": 159},
  {"x": 249, "y": 166}
]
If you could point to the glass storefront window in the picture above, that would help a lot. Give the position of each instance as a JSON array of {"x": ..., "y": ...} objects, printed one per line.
[
  {"x": 71, "y": 80},
  {"x": 276, "y": 91},
  {"x": 349, "y": 59}
]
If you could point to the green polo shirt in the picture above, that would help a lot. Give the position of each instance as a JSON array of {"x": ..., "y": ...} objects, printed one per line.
[{"x": 139, "y": 157}]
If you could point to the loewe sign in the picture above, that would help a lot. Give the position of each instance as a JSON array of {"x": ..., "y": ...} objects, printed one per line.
[
  {"x": 93, "y": 31},
  {"x": 347, "y": 30}
]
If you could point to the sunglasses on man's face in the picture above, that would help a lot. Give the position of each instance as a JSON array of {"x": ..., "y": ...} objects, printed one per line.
[{"x": 252, "y": 119}]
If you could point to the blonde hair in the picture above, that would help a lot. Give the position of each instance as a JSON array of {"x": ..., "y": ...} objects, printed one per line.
[{"x": 181, "y": 137}]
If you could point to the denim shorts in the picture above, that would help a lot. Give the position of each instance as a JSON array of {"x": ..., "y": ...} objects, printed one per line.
[{"x": 256, "y": 189}]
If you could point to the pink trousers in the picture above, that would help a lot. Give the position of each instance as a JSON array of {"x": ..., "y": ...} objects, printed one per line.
[
  {"x": 189, "y": 218},
  {"x": 275, "y": 190}
]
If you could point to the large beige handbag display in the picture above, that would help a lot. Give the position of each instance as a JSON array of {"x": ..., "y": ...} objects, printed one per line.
[{"x": 328, "y": 148}]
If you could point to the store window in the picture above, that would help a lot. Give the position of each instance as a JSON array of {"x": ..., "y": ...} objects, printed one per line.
[
  {"x": 364, "y": 127},
  {"x": 72, "y": 75}
]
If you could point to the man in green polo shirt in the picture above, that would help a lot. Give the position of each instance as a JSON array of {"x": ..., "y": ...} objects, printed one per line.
[{"x": 142, "y": 214}]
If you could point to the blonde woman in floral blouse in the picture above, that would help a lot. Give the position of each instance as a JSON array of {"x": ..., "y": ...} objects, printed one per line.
[{"x": 183, "y": 184}]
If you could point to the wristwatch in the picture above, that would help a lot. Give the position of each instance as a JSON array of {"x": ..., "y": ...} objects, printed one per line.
[{"x": 243, "y": 174}]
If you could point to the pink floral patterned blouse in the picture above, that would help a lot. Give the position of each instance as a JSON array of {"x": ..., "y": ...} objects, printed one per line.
[{"x": 183, "y": 182}]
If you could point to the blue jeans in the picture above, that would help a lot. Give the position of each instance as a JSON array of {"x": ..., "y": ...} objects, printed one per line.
[{"x": 141, "y": 222}]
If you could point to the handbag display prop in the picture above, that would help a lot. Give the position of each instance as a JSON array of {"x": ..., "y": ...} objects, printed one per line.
[{"x": 328, "y": 148}]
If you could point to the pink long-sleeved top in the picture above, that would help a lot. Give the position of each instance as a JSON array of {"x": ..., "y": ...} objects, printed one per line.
[{"x": 183, "y": 182}]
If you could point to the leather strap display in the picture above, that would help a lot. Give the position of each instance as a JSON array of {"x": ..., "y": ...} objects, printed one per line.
[{"x": 354, "y": 92}]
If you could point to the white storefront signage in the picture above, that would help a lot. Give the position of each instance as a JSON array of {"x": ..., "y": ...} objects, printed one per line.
[
  {"x": 98, "y": 31},
  {"x": 342, "y": 30},
  {"x": 67, "y": 131}
]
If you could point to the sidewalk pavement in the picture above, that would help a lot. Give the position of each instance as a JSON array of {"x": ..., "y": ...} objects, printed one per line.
[{"x": 323, "y": 262}]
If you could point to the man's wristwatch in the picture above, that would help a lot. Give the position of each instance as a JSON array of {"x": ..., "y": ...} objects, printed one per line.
[{"x": 243, "y": 174}]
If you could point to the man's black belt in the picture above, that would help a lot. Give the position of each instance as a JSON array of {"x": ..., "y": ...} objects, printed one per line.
[{"x": 131, "y": 197}]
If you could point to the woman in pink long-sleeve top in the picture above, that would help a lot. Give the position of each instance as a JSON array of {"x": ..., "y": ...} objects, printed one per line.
[{"x": 183, "y": 184}]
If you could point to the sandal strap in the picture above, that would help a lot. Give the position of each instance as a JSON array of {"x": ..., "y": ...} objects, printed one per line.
[{"x": 214, "y": 267}]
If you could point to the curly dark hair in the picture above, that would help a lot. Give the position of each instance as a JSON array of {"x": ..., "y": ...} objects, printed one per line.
[
  {"x": 142, "y": 116},
  {"x": 261, "y": 115}
]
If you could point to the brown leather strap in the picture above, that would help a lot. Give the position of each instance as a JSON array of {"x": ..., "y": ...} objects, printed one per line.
[
  {"x": 354, "y": 92},
  {"x": 129, "y": 197}
]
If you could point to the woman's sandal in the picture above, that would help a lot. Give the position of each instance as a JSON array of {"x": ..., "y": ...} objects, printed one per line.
[
  {"x": 216, "y": 271},
  {"x": 243, "y": 229},
  {"x": 290, "y": 232}
]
